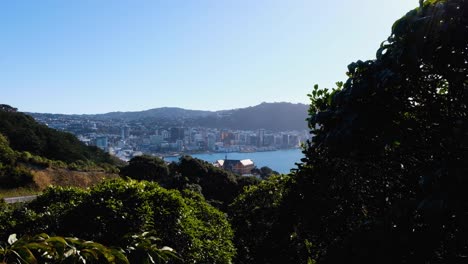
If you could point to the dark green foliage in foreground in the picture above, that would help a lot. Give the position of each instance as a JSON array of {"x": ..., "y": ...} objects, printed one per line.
[
  {"x": 143, "y": 248},
  {"x": 146, "y": 168},
  {"x": 218, "y": 186},
  {"x": 25, "y": 134},
  {"x": 114, "y": 212},
  {"x": 43, "y": 248},
  {"x": 384, "y": 179},
  {"x": 254, "y": 216}
]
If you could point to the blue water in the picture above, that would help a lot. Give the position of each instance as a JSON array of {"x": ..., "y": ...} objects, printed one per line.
[{"x": 281, "y": 161}]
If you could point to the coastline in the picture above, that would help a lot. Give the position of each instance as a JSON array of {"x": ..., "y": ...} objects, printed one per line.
[{"x": 191, "y": 153}]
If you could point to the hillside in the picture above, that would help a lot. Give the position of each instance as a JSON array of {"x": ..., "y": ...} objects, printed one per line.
[
  {"x": 270, "y": 116},
  {"x": 25, "y": 134},
  {"x": 163, "y": 113}
]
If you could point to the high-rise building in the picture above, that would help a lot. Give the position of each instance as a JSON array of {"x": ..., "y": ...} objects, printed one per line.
[
  {"x": 269, "y": 140},
  {"x": 177, "y": 133},
  {"x": 165, "y": 134},
  {"x": 285, "y": 140},
  {"x": 102, "y": 143},
  {"x": 278, "y": 140},
  {"x": 125, "y": 132},
  {"x": 261, "y": 137},
  {"x": 179, "y": 145},
  {"x": 252, "y": 140},
  {"x": 156, "y": 139},
  {"x": 211, "y": 140}
]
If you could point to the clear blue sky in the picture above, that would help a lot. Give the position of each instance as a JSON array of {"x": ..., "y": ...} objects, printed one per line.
[{"x": 96, "y": 56}]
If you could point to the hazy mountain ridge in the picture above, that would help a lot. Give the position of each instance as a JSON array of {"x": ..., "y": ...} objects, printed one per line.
[
  {"x": 272, "y": 116},
  {"x": 163, "y": 112}
]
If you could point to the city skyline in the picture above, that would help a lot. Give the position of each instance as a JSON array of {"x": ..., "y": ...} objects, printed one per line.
[
  {"x": 126, "y": 139},
  {"x": 91, "y": 57}
]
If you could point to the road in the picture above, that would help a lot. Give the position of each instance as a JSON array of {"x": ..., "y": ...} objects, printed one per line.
[{"x": 20, "y": 199}]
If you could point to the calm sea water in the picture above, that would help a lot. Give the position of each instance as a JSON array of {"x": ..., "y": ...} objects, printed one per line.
[{"x": 281, "y": 161}]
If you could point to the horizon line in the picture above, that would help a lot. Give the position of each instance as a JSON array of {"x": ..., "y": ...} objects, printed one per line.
[{"x": 136, "y": 111}]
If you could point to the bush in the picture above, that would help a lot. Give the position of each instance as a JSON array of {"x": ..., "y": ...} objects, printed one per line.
[
  {"x": 111, "y": 211},
  {"x": 254, "y": 216},
  {"x": 12, "y": 177}
]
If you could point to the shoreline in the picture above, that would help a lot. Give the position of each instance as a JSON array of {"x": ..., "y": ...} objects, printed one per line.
[{"x": 175, "y": 155}]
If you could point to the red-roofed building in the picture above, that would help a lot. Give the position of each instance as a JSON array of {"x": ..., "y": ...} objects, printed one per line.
[{"x": 241, "y": 167}]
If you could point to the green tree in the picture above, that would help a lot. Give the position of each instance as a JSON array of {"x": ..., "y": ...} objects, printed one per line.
[
  {"x": 264, "y": 172},
  {"x": 12, "y": 174},
  {"x": 147, "y": 168},
  {"x": 7, "y": 155},
  {"x": 383, "y": 178},
  {"x": 218, "y": 186},
  {"x": 254, "y": 215}
]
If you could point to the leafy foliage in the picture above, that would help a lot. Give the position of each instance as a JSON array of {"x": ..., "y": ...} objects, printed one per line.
[
  {"x": 11, "y": 174},
  {"x": 255, "y": 219},
  {"x": 142, "y": 248},
  {"x": 218, "y": 186},
  {"x": 45, "y": 249},
  {"x": 383, "y": 178},
  {"x": 116, "y": 212},
  {"x": 264, "y": 172},
  {"x": 146, "y": 168}
]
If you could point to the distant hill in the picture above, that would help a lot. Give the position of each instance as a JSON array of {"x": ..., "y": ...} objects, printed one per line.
[
  {"x": 163, "y": 112},
  {"x": 271, "y": 116},
  {"x": 25, "y": 134}
]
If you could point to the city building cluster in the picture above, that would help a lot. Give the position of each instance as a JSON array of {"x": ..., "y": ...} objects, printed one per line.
[{"x": 126, "y": 139}]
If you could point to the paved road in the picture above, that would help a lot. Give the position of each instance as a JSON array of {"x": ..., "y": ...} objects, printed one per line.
[{"x": 20, "y": 199}]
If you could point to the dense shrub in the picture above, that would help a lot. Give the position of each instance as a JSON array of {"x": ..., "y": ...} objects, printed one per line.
[
  {"x": 114, "y": 210},
  {"x": 218, "y": 186},
  {"x": 146, "y": 168},
  {"x": 384, "y": 179},
  {"x": 254, "y": 216}
]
